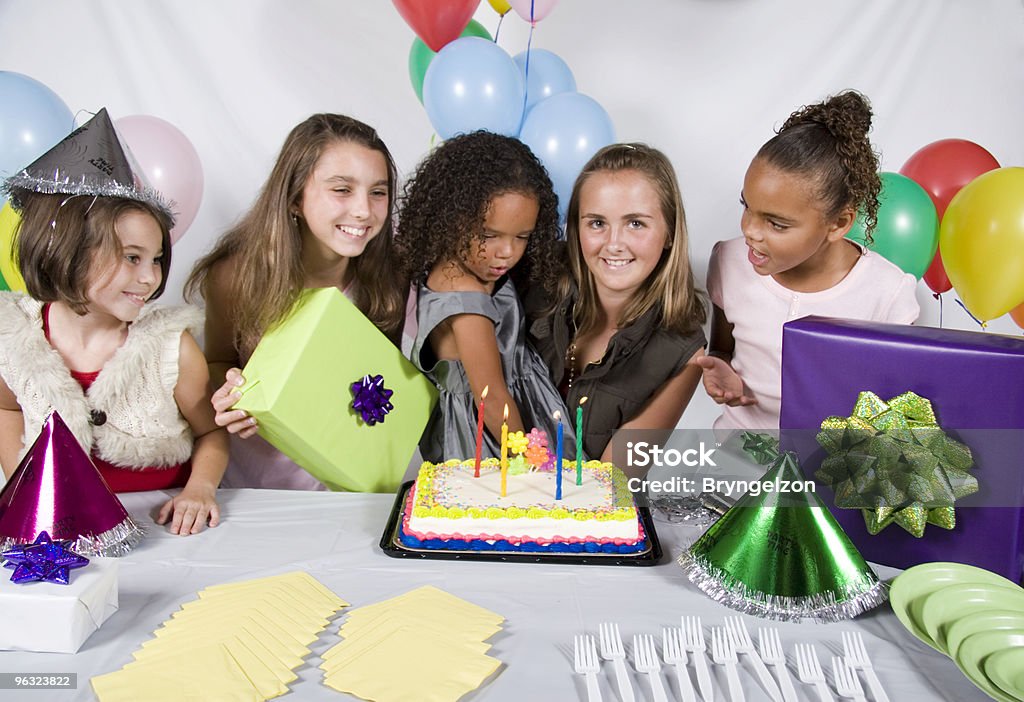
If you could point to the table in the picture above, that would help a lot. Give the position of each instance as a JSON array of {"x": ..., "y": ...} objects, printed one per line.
[{"x": 334, "y": 536}]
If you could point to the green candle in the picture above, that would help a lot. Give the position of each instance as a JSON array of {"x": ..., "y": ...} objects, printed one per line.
[{"x": 579, "y": 441}]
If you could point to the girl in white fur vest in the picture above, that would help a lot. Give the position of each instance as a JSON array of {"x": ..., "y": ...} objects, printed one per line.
[{"x": 129, "y": 380}]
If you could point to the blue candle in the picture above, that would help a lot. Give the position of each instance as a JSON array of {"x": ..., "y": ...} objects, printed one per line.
[{"x": 558, "y": 458}]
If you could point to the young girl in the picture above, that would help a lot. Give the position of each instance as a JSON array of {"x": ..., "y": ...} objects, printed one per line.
[
  {"x": 128, "y": 379},
  {"x": 626, "y": 325},
  {"x": 801, "y": 195},
  {"x": 476, "y": 207},
  {"x": 323, "y": 219}
]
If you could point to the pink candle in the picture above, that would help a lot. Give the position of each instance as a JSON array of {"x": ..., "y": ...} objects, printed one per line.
[
  {"x": 504, "y": 453},
  {"x": 479, "y": 432}
]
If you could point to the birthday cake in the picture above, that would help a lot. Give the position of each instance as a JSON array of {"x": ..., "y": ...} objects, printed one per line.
[{"x": 449, "y": 507}]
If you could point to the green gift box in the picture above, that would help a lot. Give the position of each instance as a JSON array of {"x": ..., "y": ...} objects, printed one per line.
[{"x": 299, "y": 388}]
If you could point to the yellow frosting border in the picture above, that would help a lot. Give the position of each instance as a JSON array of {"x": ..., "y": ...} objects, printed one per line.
[{"x": 424, "y": 504}]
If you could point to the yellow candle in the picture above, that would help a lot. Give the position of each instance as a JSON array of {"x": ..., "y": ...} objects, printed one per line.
[{"x": 504, "y": 453}]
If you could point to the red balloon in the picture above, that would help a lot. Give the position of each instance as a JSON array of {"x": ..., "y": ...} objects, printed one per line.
[
  {"x": 1017, "y": 313},
  {"x": 437, "y": 22},
  {"x": 936, "y": 277},
  {"x": 945, "y": 166}
]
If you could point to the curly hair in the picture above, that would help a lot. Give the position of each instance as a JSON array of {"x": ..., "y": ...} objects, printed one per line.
[
  {"x": 445, "y": 202},
  {"x": 828, "y": 141}
]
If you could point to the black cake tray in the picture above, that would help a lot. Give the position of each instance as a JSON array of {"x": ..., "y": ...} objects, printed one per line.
[{"x": 392, "y": 546}]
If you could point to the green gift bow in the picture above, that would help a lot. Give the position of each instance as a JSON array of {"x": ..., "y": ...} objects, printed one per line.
[{"x": 891, "y": 460}]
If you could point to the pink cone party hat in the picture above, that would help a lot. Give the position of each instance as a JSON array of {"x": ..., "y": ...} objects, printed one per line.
[{"x": 57, "y": 489}]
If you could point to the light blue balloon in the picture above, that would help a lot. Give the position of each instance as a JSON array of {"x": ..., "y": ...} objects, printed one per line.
[
  {"x": 548, "y": 75},
  {"x": 565, "y": 131},
  {"x": 32, "y": 120},
  {"x": 473, "y": 84}
]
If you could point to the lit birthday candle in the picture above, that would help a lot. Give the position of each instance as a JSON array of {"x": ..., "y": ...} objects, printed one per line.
[
  {"x": 579, "y": 441},
  {"x": 558, "y": 456},
  {"x": 504, "y": 452},
  {"x": 479, "y": 432}
]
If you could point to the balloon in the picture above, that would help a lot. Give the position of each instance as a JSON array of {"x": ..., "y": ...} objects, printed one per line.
[
  {"x": 907, "y": 232},
  {"x": 1017, "y": 315},
  {"x": 982, "y": 242},
  {"x": 500, "y": 6},
  {"x": 32, "y": 120},
  {"x": 942, "y": 168},
  {"x": 8, "y": 222},
  {"x": 420, "y": 55},
  {"x": 548, "y": 75},
  {"x": 564, "y": 131},
  {"x": 533, "y": 11},
  {"x": 169, "y": 162},
  {"x": 437, "y": 22},
  {"x": 473, "y": 84},
  {"x": 945, "y": 166},
  {"x": 935, "y": 277}
]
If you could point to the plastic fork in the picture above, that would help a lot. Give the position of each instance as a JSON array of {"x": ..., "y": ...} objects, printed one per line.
[
  {"x": 588, "y": 665},
  {"x": 772, "y": 654},
  {"x": 810, "y": 672},
  {"x": 674, "y": 654},
  {"x": 847, "y": 684},
  {"x": 723, "y": 653},
  {"x": 857, "y": 657},
  {"x": 694, "y": 631},
  {"x": 612, "y": 650},
  {"x": 645, "y": 660},
  {"x": 741, "y": 641}
]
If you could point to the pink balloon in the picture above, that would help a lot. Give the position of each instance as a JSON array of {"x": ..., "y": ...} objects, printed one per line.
[
  {"x": 539, "y": 9},
  {"x": 168, "y": 161}
]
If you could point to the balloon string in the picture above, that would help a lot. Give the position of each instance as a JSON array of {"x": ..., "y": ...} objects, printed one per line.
[
  {"x": 526, "y": 70},
  {"x": 501, "y": 18},
  {"x": 981, "y": 323},
  {"x": 938, "y": 297}
]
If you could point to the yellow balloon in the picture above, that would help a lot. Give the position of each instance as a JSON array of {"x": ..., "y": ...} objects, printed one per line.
[
  {"x": 8, "y": 222},
  {"x": 982, "y": 242},
  {"x": 500, "y": 6}
]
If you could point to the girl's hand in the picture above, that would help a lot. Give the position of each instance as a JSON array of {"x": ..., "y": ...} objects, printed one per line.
[
  {"x": 723, "y": 384},
  {"x": 190, "y": 510},
  {"x": 236, "y": 421}
]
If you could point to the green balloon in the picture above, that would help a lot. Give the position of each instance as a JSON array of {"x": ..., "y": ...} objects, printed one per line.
[
  {"x": 420, "y": 55},
  {"x": 3, "y": 283},
  {"x": 907, "y": 232}
]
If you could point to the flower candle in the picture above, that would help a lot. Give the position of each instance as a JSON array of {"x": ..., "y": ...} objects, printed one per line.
[
  {"x": 579, "y": 441},
  {"x": 558, "y": 456},
  {"x": 504, "y": 452},
  {"x": 479, "y": 432}
]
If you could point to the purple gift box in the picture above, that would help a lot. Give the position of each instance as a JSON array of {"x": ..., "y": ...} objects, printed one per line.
[{"x": 975, "y": 382}]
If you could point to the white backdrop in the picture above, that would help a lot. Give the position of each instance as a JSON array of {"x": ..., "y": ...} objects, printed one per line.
[{"x": 706, "y": 81}]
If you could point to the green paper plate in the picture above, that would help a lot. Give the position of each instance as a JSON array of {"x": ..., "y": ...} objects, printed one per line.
[
  {"x": 989, "y": 620},
  {"x": 941, "y": 609},
  {"x": 978, "y": 647},
  {"x": 1006, "y": 670},
  {"x": 909, "y": 589}
]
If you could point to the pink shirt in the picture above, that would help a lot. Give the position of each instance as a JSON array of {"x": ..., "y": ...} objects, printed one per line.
[{"x": 757, "y": 306}]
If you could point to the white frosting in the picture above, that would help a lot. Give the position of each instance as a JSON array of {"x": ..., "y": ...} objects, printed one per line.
[{"x": 455, "y": 486}]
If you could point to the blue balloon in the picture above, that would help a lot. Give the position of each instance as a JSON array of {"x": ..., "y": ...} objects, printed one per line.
[
  {"x": 565, "y": 131},
  {"x": 473, "y": 84},
  {"x": 548, "y": 75},
  {"x": 32, "y": 120}
]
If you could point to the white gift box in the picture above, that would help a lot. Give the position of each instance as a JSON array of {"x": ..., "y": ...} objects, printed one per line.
[{"x": 41, "y": 616}]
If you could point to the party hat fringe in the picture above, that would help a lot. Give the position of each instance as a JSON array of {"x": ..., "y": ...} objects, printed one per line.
[
  {"x": 860, "y": 596},
  {"x": 112, "y": 543}
]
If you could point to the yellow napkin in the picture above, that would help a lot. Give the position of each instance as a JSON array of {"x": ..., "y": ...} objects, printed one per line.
[
  {"x": 353, "y": 647},
  {"x": 433, "y": 670},
  {"x": 238, "y": 641},
  {"x": 215, "y": 675}
]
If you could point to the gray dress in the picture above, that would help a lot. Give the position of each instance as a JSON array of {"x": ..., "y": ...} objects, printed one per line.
[{"x": 451, "y": 432}]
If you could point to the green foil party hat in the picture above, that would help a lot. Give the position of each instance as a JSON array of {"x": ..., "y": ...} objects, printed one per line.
[{"x": 779, "y": 553}]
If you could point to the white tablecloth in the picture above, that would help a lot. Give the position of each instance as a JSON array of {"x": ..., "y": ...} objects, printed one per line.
[{"x": 335, "y": 537}]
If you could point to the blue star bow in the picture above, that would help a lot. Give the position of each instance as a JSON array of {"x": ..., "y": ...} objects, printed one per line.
[
  {"x": 371, "y": 399},
  {"x": 44, "y": 559}
]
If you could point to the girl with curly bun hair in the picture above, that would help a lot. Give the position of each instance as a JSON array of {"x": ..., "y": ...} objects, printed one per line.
[
  {"x": 801, "y": 194},
  {"x": 479, "y": 210}
]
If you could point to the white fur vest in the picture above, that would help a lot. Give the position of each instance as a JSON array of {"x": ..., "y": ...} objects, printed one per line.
[{"x": 135, "y": 388}]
